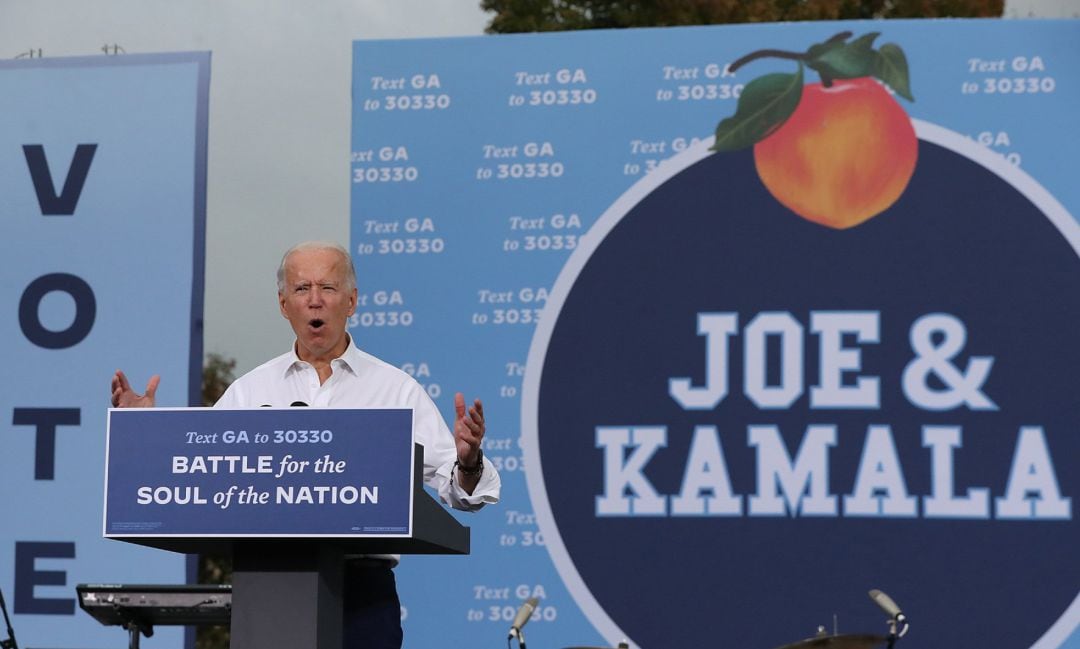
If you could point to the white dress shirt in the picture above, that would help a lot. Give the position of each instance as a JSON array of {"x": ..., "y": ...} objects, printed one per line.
[{"x": 360, "y": 380}]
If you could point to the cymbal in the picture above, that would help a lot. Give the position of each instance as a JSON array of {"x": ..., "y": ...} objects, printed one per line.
[{"x": 837, "y": 642}]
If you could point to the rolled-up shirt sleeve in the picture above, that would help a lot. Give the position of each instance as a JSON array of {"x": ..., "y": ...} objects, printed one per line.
[{"x": 440, "y": 453}]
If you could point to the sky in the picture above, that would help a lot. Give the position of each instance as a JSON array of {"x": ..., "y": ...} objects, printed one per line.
[
  {"x": 279, "y": 120},
  {"x": 280, "y": 110}
]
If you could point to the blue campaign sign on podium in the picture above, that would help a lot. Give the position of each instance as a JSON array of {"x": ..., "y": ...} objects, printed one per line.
[{"x": 260, "y": 473}]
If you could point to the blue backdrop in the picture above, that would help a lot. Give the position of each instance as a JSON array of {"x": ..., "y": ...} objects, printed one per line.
[{"x": 717, "y": 422}]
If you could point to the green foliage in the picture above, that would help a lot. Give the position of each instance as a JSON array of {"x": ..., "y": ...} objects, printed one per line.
[
  {"x": 891, "y": 67},
  {"x": 561, "y": 15},
  {"x": 840, "y": 60},
  {"x": 213, "y": 570},
  {"x": 216, "y": 376},
  {"x": 764, "y": 105},
  {"x": 767, "y": 102}
]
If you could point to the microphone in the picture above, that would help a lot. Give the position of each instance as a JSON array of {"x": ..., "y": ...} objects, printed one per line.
[
  {"x": 887, "y": 604},
  {"x": 298, "y": 404},
  {"x": 896, "y": 617},
  {"x": 522, "y": 617}
]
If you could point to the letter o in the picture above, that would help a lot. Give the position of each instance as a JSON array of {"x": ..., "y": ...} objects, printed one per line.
[{"x": 85, "y": 311}]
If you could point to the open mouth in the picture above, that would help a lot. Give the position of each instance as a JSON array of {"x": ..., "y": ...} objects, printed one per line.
[{"x": 317, "y": 323}]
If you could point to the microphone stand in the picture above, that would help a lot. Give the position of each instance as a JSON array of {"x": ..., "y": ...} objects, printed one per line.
[
  {"x": 891, "y": 638},
  {"x": 10, "y": 643},
  {"x": 893, "y": 635},
  {"x": 896, "y": 618}
]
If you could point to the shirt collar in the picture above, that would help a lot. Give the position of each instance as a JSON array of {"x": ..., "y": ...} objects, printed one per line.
[{"x": 350, "y": 359}]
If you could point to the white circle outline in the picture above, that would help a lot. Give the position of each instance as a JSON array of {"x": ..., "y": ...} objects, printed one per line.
[{"x": 1058, "y": 632}]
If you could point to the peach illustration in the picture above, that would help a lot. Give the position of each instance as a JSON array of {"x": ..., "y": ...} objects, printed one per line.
[
  {"x": 845, "y": 154},
  {"x": 836, "y": 153}
]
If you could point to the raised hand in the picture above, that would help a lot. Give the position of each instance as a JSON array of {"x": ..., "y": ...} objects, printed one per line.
[
  {"x": 124, "y": 397},
  {"x": 468, "y": 430}
]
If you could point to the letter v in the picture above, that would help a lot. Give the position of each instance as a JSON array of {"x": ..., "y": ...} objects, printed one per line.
[{"x": 51, "y": 203}]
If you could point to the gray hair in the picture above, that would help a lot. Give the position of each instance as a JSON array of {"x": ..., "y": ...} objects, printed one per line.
[{"x": 350, "y": 270}]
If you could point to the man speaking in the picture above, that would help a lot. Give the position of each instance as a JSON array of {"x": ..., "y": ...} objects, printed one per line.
[{"x": 317, "y": 294}]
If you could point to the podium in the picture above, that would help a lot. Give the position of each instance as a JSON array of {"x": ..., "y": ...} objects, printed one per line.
[{"x": 288, "y": 550}]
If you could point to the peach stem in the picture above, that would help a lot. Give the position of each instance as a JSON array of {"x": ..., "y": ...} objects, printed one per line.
[{"x": 780, "y": 54}]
